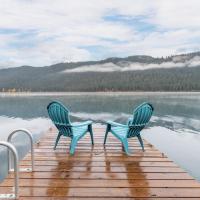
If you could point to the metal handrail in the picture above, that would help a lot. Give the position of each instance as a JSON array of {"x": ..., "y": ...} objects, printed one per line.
[
  {"x": 27, "y": 132},
  {"x": 16, "y": 170}
]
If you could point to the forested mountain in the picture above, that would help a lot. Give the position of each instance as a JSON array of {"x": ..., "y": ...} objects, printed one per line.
[{"x": 134, "y": 73}]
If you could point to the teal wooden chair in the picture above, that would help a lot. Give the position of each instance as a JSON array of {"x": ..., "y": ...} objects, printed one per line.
[
  {"x": 59, "y": 114},
  {"x": 141, "y": 116}
]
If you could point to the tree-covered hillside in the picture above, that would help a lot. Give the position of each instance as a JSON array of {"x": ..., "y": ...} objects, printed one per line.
[{"x": 54, "y": 78}]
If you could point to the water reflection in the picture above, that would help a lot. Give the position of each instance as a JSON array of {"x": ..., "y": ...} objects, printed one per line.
[
  {"x": 172, "y": 110},
  {"x": 20, "y": 140},
  {"x": 165, "y": 104},
  {"x": 177, "y": 112},
  {"x": 181, "y": 147}
]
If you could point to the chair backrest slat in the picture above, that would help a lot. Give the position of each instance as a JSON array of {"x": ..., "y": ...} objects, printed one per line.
[
  {"x": 141, "y": 116},
  {"x": 59, "y": 114}
]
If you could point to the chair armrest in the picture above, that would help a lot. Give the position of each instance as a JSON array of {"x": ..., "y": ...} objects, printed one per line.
[
  {"x": 139, "y": 125},
  {"x": 116, "y": 124},
  {"x": 86, "y": 123},
  {"x": 129, "y": 120}
]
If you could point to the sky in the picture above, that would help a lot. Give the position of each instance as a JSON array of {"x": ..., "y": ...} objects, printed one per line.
[{"x": 45, "y": 32}]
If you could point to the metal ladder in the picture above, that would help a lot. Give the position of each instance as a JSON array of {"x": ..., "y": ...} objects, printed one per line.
[{"x": 11, "y": 148}]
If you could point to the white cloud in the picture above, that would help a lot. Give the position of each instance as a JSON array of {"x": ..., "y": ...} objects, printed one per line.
[
  {"x": 178, "y": 61},
  {"x": 177, "y": 14},
  {"x": 107, "y": 67},
  {"x": 65, "y": 30}
]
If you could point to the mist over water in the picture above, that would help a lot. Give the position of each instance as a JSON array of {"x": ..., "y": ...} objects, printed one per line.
[{"x": 175, "y": 121}]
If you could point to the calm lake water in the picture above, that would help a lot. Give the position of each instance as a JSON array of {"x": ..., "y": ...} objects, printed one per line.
[{"x": 174, "y": 129}]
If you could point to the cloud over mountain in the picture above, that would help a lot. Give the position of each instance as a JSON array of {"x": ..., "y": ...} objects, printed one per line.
[
  {"x": 174, "y": 73},
  {"x": 123, "y": 66}
]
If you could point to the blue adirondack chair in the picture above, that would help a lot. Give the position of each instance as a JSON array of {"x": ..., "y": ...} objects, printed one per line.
[
  {"x": 141, "y": 116},
  {"x": 59, "y": 114}
]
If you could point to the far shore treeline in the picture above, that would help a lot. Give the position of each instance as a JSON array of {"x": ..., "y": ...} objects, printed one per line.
[{"x": 54, "y": 78}]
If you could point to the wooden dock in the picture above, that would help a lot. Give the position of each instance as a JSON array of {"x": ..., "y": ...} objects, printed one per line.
[{"x": 101, "y": 173}]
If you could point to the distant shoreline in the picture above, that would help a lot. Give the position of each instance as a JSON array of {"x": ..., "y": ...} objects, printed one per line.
[{"x": 92, "y": 93}]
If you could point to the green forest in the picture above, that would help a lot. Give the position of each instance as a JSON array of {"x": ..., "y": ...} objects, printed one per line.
[{"x": 52, "y": 78}]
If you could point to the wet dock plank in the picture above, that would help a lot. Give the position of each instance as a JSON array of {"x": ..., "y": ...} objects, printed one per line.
[{"x": 99, "y": 173}]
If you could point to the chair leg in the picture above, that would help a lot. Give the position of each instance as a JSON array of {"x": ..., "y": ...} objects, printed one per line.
[
  {"x": 106, "y": 134},
  {"x": 91, "y": 133},
  {"x": 57, "y": 139},
  {"x": 73, "y": 145},
  {"x": 125, "y": 145},
  {"x": 141, "y": 142}
]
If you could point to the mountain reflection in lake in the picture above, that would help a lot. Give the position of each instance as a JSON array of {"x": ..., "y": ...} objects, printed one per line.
[{"x": 177, "y": 112}]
